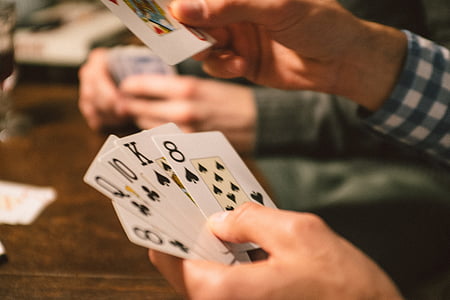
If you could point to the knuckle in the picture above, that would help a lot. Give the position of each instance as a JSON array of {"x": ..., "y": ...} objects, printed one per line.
[
  {"x": 237, "y": 219},
  {"x": 157, "y": 258},
  {"x": 82, "y": 72},
  {"x": 153, "y": 257},
  {"x": 96, "y": 55},
  {"x": 244, "y": 209},
  {"x": 87, "y": 68},
  {"x": 84, "y": 111},
  {"x": 186, "y": 114},
  {"x": 188, "y": 87},
  {"x": 218, "y": 288},
  {"x": 306, "y": 222},
  {"x": 85, "y": 107}
]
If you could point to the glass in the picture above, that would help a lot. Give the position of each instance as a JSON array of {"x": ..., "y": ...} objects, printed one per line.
[{"x": 10, "y": 123}]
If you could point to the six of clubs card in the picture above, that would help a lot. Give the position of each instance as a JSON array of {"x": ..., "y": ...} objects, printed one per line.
[
  {"x": 164, "y": 184},
  {"x": 151, "y": 21}
]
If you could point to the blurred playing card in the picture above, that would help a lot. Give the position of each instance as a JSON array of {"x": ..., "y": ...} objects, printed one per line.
[
  {"x": 125, "y": 61},
  {"x": 22, "y": 203}
]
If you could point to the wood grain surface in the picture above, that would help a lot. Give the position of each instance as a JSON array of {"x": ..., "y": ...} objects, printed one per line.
[{"x": 76, "y": 248}]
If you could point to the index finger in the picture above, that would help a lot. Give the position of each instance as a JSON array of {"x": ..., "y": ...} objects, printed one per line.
[{"x": 155, "y": 86}]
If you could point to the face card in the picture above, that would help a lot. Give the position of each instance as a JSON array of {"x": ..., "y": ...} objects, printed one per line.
[
  {"x": 123, "y": 195},
  {"x": 151, "y": 21},
  {"x": 119, "y": 164},
  {"x": 212, "y": 171},
  {"x": 140, "y": 148},
  {"x": 152, "y": 202}
]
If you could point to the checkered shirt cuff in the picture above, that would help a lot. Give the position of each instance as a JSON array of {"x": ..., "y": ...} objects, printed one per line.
[{"x": 418, "y": 110}]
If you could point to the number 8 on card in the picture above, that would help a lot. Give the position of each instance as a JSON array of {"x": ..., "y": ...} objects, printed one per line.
[{"x": 211, "y": 171}]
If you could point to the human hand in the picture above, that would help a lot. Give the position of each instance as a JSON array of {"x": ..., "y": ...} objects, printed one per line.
[
  {"x": 298, "y": 44},
  {"x": 307, "y": 260},
  {"x": 194, "y": 104},
  {"x": 99, "y": 97}
]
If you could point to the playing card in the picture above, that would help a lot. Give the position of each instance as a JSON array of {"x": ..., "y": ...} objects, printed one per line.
[
  {"x": 102, "y": 179},
  {"x": 122, "y": 193},
  {"x": 211, "y": 171},
  {"x": 173, "y": 199},
  {"x": 159, "y": 211},
  {"x": 153, "y": 178},
  {"x": 22, "y": 203},
  {"x": 151, "y": 21},
  {"x": 213, "y": 174},
  {"x": 145, "y": 235},
  {"x": 125, "y": 61}
]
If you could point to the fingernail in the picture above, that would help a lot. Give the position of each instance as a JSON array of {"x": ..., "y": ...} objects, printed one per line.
[
  {"x": 187, "y": 9},
  {"x": 218, "y": 217}
]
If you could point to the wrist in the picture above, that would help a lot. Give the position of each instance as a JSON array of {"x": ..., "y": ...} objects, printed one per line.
[{"x": 372, "y": 65}]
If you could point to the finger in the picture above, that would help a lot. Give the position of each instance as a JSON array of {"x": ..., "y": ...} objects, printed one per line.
[
  {"x": 270, "y": 228},
  {"x": 96, "y": 84},
  {"x": 224, "y": 64},
  {"x": 152, "y": 86},
  {"x": 90, "y": 115},
  {"x": 161, "y": 110},
  {"x": 171, "y": 268},
  {"x": 199, "y": 279},
  {"x": 95, "y": 68},
  {"x": 211, "y": 280},
  {"x": 147, "y": 123},
  {"x": 206, "y": 13}
]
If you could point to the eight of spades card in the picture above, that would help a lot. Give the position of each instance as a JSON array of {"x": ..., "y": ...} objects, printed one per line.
[{"x": 211, "y": 171}]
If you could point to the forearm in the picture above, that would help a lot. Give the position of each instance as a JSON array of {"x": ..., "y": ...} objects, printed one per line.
[
  {"x": 417, "y": 112},
  {"x": 367, "y": 76}
]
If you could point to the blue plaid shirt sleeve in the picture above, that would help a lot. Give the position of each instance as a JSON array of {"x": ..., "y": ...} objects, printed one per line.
[{"x": 418, "y": 110}]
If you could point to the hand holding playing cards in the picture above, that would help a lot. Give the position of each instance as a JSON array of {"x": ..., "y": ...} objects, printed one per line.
[
  {"x": 99, "y": 96},
  {"x": 306, "y": 261},
  {"x": 298, "y": 44},
  {"x": 194, "y": 104},
  {"x": 150, "y": 100}
]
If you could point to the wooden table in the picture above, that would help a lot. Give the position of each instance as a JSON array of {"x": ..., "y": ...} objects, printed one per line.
[{"x": 76, "y": 248}]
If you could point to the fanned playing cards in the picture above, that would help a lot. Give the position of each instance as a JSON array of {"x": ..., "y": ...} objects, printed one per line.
[{"x": 164, "y": 184}]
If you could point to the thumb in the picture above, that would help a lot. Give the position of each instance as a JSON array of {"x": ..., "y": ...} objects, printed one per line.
[
  {"x": 203, "y": 13},
  {"x": 254, "y": 223}
]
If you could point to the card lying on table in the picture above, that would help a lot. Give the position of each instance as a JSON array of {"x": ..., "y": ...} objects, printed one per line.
[
  {"x": 164, "y": 184},
  {"x": 151, "y": 21},
  {"x": 22, "y": 203}
]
